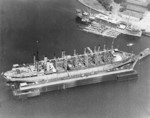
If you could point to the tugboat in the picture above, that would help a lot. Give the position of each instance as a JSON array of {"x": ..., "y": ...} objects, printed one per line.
[{"x": 68, "y": 71}]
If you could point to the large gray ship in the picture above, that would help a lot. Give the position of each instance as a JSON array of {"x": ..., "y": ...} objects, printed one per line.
[{"x": 93, "y": 66}]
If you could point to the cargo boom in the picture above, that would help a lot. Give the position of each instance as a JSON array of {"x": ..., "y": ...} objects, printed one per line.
[{"x": 70, "y": 71}]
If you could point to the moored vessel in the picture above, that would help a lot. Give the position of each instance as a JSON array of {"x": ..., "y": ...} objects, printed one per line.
[
  {"x": 68, "y": 71},
  {"x": 110, "y": 21},
  {"x": 84, "y": 17}
]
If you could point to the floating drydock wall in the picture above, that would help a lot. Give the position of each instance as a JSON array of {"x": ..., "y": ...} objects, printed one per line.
[
  {"x": 36, "y": 90},
  {"x": 127, "y": 76}
]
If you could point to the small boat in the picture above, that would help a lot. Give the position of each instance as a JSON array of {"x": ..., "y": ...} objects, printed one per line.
[{"x": 130, "y": 44}]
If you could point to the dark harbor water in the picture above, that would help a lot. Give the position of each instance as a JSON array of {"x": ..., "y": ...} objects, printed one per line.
[{"x": 52, "y": 23}]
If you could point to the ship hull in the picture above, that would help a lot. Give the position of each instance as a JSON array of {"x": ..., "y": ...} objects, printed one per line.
[
  {"x": 29, "y": 86},
  {"x": 36, "y": 90},
  {"x": 80, "y": 21},
  {"x": 131, "y": 33},
  {"x": 108, "y": 32}
]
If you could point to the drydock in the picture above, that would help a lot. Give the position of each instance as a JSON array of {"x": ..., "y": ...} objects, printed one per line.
[{"x": 69, "y": 71}]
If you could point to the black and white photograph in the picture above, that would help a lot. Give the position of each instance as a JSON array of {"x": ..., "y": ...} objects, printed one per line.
[{"x": 74, "y": 59}]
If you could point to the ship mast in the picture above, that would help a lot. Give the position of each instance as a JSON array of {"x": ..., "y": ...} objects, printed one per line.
[
  {"x": 36, "y": 57},
  {"x": 37, "y": 50},
  {"x": 112, "y": 45}
]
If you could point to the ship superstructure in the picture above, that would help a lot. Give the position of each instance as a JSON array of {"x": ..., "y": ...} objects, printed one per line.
[
  {"x": 66, "y": 63},
  {"x": 69, "y": 71},
  {"x": 84, "y": 16}
]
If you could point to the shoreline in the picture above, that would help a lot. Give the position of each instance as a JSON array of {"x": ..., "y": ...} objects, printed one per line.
[
  {"x": 93, "y": 7},
  {"x": 96, "y": 6}
]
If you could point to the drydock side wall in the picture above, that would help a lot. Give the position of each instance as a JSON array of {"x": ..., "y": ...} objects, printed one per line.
[
  {"x": 124, "y": 75},
  {"x": 119, "y": 77}
]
